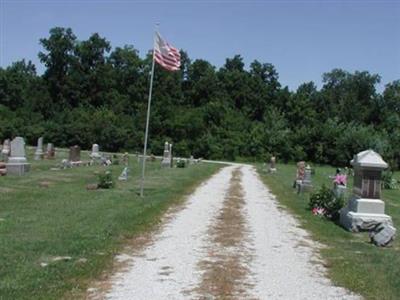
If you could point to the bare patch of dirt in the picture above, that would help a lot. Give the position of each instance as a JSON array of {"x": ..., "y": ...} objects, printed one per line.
[{"x": 226, "y": 268}]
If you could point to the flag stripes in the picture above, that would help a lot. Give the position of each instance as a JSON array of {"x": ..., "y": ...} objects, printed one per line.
[{"x": 166, "y": 55}]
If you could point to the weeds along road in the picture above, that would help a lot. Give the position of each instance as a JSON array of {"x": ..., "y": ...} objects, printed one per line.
[{"x": 229, "y": 240}]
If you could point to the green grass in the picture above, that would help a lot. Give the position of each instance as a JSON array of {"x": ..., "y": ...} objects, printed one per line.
[
  {"x": 67, "y": 220},
  {"x": 352, "y": 261}
]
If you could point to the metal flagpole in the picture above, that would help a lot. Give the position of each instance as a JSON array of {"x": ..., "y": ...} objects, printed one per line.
[{"x": 147, "y": 121}]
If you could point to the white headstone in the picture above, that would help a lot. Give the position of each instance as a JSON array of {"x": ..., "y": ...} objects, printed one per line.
[
  {"x": 5, "y": 152},
  {"x": 167, "y": 159},
  {"x": 95, "y": 152},
  {"x": 39, "y": 149},
  {"x": 124, "y": 174},
  {"x": 17, "y": 163}
]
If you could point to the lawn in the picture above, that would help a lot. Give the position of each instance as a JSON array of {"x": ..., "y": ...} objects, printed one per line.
[
  {"x": 39, "y": 223},
  {"x": 352, "y": 261}
]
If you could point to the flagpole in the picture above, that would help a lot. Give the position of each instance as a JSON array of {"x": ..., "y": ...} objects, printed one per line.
[{"x": 147, "y": 121}]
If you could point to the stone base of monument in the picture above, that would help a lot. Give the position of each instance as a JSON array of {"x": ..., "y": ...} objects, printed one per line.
[
  {"x": 165, "y": 163},
  {"x": 39, "y": 156},
  {"x": 340, "y": 191},
  {"x": 363, "y": 214},
  {"x": 383, "y": 235},
  {"x": 18, "y": 169},
  {"x": 303, "y": 187}
]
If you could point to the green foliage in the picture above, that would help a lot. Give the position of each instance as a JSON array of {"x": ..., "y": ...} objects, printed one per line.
[
  {"x": 105, "y": 180},
  {"x": 325, "y": 198},
  {"x": 388, "y": 182},
  {"x": 93, "y": 93},
  {"x": 181, "y": 164}
]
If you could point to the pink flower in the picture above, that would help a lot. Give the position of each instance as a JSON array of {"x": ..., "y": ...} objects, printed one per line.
[{"x": 340, "y": 179}]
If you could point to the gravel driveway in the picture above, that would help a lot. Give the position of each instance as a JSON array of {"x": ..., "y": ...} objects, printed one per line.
[{"x": 229, "y": 241}]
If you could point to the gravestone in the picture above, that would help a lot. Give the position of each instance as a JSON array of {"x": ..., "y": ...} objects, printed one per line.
[
  {"x": 5, "y": 152},
  {"x": 305, "y": 185},
  {"x": 75, "y": 153},
  {"x": 171, "y": 157},
  {"x": 272, "y": 165},
  {"x": 167, "y": 157},
  {"x": 39, "y": 149},
  {"x": 17, "y": 162},
  {"x": 191, "y": 160},
  {"x": 365, "y": 208},
  {"x": 51, "y": 152},
  {"x": 95, "y": 152},
  {"x": 3, "y": 169},
  {"x": 124, "y": 174},
  {"x": 125, "y": 159}
]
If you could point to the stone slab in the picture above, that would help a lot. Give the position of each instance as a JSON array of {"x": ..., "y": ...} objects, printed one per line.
[
  {"x": 383, "y": 235},
  {"x": 368, "y": 206},
  {"x": 357, "y": 222},
  {"x": 18, "y": 169}
]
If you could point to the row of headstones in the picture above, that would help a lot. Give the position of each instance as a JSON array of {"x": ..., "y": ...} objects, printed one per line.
[
  {"x": 19, "y": 149},
  {"x": 167, "y": 160},
  {"x": 39, "y": 154},
  {"x": 365, "y": 211}
]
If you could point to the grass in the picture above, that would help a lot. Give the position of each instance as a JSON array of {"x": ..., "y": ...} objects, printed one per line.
[
  {"x": 352, "y": 261},
  {"x": 38, "y": 224}
]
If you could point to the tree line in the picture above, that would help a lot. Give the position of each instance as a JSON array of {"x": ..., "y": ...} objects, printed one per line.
[{"x": 91, "y": 93}]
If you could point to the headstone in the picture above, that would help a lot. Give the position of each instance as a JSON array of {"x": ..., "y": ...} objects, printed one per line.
[
  {"x": 124, "y": 174},
  {"x": 17, "y": 163},
  {"x": 125, "y": 159},
  {"x": 305, "y": 185},
  {"x": 65, "y": 164},
  {"x": 51, "y": 152},
  {"x": 171, "y": 158},
  {"x": 39, "y": 149},
  {"x": 3, "y": 169},
  {"x": 95, "y": 152},
  {"x": 272, "y": 165},
  {"x": 166, "y": 161},
  {"x": 5, "y": 152},
  {"x": 365, "y": 206},
  {"x": 191, "y": 160},
  {"x": 75, "y": 153}
]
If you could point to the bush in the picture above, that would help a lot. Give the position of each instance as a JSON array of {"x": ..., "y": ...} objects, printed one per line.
[
  {"x": 324, "y": 201},
  {"x": 388, "y": 182},
  {"x": 105, "y": 180},
  {"x": 180, "y": 164}
]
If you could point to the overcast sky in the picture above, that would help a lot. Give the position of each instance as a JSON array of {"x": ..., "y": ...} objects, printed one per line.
[{"x": 303, "y": 39}]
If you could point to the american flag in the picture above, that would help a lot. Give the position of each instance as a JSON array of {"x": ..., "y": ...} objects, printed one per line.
[{"x": 166, "y": 55}]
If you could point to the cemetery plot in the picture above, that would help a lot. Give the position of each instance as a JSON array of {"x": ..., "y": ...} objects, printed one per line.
[{"x": 55, "y": 235}]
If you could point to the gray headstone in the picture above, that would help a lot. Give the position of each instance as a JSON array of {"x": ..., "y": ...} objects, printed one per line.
[
  {"x": 50, "y": 151},
  {"x": 75, "y": 153},
  {"x": 18, "y": 149},
  {"x": 95, "y": 152},
  {"x": 5, "y": 152},
  {"x": 17, "y": 163},
  {"x": 124, "y": 174},
  {"x": 167, "y": 157},
  {"x": 39, "y": 149}
]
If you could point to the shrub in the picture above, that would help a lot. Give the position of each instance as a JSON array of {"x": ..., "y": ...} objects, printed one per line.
[
  {"x": 324, "y": 200},
  {"x": 388, "y": 182},
  {"x": 180, "y": 164},
  {"x": 105, "y": 180}
]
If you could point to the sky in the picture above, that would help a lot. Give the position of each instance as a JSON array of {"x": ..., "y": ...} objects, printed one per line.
[{"x": 302, "y": 39}]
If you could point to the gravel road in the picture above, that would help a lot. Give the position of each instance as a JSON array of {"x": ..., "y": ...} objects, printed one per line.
[{"x": 229, "y": 241}]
